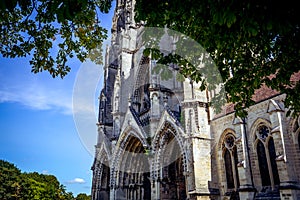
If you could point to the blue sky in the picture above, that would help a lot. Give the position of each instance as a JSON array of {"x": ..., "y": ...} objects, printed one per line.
[{"x": 39, "y": 128}]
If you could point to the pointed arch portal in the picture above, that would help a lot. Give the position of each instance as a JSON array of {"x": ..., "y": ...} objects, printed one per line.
[
  {"x": 102, "y": 174},
  {"x": 133, "y": 172},
  {"x": 172, "y": 181},
  {"x": 169, "y": 165}
]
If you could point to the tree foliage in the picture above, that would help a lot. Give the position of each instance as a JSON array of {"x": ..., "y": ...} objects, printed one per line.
[
  {"x": 10, "y": 181},
  {"x": 51, "y": 32},
  {"x": 29, "y": 186},
  {"x": 257, "y": 41},
  {"x": 82, "y": 196}
]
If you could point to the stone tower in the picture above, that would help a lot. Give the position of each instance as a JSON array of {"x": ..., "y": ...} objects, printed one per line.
[{"x": 159, "y": 139}]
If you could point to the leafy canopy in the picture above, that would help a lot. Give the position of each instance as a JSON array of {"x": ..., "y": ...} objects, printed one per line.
[
  {"x": 23, "y": 186},
  {"x": 255, "y": 41},
  {"x": 52, "y": 31},
  {"x": 82, "y": 196},
  {"x": 9, "y": 179}
]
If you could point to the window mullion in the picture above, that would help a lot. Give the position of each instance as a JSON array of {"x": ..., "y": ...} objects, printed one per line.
[
  {"x": 269, "y": 166},
  {"x": 233, "y": 169}
]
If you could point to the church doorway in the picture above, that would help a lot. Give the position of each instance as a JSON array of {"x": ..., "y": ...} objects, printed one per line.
[
  {"x": 172, "y": 179},
  {"x": 134, "y": 174}
]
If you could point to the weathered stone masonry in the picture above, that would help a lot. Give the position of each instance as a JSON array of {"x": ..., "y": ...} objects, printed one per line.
[{"x": 158, "y": 140}]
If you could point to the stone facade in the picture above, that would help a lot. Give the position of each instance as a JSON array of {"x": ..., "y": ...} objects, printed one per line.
[{"x": 159, "y": 139}]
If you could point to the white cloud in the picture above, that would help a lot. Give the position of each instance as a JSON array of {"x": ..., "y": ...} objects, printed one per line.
[
  {"x": 42, "y": 92},
  {"x": 45, "y": 172},
  {"x": 76, "y": 180},
  {"x": 37, "y": 96}
]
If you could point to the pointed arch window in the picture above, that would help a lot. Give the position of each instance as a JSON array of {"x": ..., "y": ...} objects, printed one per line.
[
  {"x": 266, "y": 153},
  {"x": 230, "y": 162}
]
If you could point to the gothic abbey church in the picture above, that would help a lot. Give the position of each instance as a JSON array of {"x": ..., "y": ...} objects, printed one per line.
[{"x": 158, "y": 139}]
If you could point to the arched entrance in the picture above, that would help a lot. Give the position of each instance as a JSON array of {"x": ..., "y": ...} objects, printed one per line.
[
  {"x": 105, "y": 187},
  {"x": 169, "y": 159},
  {"x": 133, "y": 172},
  {"x": 101, "y": 179},
  {"x": 173, "y": 181}
]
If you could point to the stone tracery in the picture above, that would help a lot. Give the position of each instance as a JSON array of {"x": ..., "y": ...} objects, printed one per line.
[{"x": 160, "y": 143}]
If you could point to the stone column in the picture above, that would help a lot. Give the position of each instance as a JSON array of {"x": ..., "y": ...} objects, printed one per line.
[
  {"x": 289, "y": 186},
  {"x": 202, "y": 167},
  {"x": 246, "y": 189}
]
